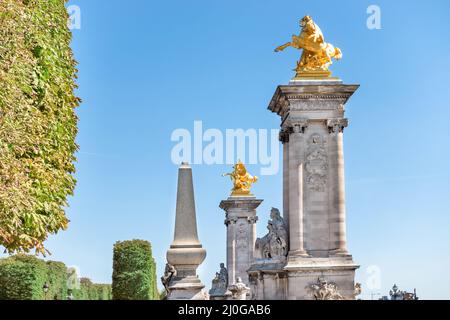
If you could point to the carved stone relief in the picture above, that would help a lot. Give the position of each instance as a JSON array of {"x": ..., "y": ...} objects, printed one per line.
[
  {"x": 316, "y": 164},
  {"x": 242, "y": 237}
]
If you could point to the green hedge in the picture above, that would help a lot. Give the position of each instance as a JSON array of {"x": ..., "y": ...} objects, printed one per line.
[
  {"x": 91, "y": 291},
  {"x": 57, "y": 280},
  {"x": 134, "y": 271},
  {"x": 38, "y": 124},
  {"x": 22, "y": 277}
]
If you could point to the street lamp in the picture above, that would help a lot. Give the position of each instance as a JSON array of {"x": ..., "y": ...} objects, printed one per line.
[
  {"x": 45, "y": 289},
  {"x": 70, "y": 295}
]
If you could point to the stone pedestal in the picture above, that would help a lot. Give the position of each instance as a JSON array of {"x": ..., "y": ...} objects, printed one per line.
[
  {"x": 186, "y": 252},
  {"x": 241, "y": 235},
  {"x": 268, "y": 280},
  {"x": 312, "y": 128},
  {"x": 337, "y": 270}
]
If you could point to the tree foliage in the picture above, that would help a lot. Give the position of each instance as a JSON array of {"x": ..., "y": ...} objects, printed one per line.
[
  {"x": 134, "y": 271},
  {"x": 92, "y": 291},
  {"x": 22, "y": 277},
  {"x": 38, "y": 124}
]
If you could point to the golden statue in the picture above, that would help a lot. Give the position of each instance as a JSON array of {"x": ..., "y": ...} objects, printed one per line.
[
  {"x": 242, "y": 180},
  {"x": 317, "y": 54}
]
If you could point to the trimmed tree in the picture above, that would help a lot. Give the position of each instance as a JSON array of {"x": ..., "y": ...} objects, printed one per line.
[
  {"x": 38, "y": 124},
  {"x": 22, "y": 278},
  {"x": 57, "y": 279},
  {"x": 92, "y": 291},
  {"x": 134, "y": 271}
]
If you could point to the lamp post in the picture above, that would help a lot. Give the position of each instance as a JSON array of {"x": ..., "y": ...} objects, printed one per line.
[
  {"x": 70, "y": 295},
  {"x": 45, "y": 288}
]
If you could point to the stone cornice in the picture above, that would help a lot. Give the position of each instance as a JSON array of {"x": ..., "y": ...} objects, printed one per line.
[
  {"x": 240, "y": 203},
  {"x": 284, "y": 95}
]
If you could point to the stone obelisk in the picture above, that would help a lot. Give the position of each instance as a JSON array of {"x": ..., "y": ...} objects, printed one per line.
[{"x": 186, "y": 252}]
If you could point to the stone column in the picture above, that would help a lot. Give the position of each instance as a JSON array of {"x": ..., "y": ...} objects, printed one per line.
[
  {"x": 284, "y": 139},
  {"x": 295, "y": 190},
  {"x": 241, "y": 235},
  {"x": 337, "y": 177},
  {"x": 186, "y": 252}
]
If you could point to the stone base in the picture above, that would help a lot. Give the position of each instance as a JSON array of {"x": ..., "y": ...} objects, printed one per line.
[
  {"x": 312, "y": 74},
  {"x": 317, "y": 82},
  {"x": 277, "y": 281},
  {"x": 303, "y": 272},
  {"x": 226, "y": 296},
  {"x": 268, "y": 280},
  {"x": 189, "y": 288}
]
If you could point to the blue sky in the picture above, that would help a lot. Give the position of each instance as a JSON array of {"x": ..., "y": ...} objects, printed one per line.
[{"x": 147, "y": 68}]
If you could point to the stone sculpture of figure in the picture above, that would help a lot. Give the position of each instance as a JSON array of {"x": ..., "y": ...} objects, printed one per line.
[
  {"x": 274, "y": 244},
  {"x": 357, "y": 291},
  {"x": 223, "y": 276},
  {"x": 317, "y": 54},
  {"x": 279, "y": 224},
  {"x": 169, "y": 273},
  {"x": 324, "y": 290},
  {"x": 239, "y": 290},
  {"x": 220, "y": 282},
  {"x": 263, "y": 244}
]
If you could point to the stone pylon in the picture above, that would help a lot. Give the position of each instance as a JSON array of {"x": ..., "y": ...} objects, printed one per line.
[
  {"x": 240, "y": 221},
  {"x": 312, "y": 113},
  {"x": 186, "y": 252},
  {"x": 312, "y": 133}
]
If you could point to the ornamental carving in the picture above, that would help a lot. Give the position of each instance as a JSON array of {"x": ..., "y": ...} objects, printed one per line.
[
  {"x": 324, "y": 290},
  {"x": 252, "y": 220},
  {"x": 292, "y": 126},
  {"x": 231, "y": 220},
  {"x": 337, "y": 125},
  {"x": 284, "y": 135},
  {"x": 239, "y": 290},
  {"x": 316, "y": 165},
  {"x": 242, "y": 235}
]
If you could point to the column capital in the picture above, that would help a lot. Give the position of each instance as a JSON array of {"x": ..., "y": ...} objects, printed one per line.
[
  {"x": 284, "y": 134},
  {"x": 337, "y": 125},
  {"x": 294, "y": 126},
  {"x": 230, "y": 220},
  {"x": 300, "y": 126},
  {"x": 252, "y": 220}
]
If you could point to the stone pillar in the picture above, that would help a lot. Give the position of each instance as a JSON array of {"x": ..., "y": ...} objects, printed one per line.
[
  {"x": 337, "y": 176},
  {"x": 296, "y": 191},
  {"x": 284, "y": 139},
  {"x": 186, "y": 252},
  {"x": 241, "y": 235}
]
